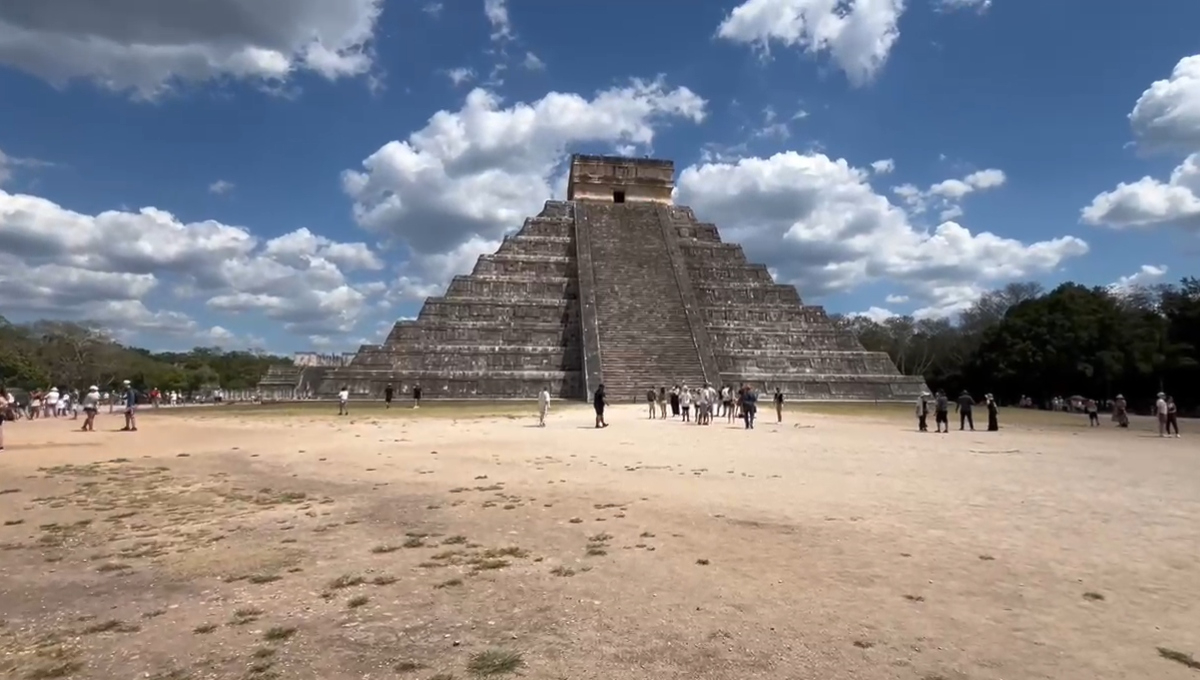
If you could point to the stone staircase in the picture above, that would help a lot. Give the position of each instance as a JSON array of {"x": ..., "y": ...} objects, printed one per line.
[{"x": 645, "y": 339}]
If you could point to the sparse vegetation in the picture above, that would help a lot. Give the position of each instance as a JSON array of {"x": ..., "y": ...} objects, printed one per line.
[
  {"x": 1179, "y": 657},
  {"x": 986, "y": 558},
  {"x": 454, "y": 540},
  {"x": 244, "y": 615},
  {"x": 260, "y": 579},
  {"x": 595, "y": 550},
  {"x": 346, "y": 581},
  {"x": 111, "y": 626},
  {"x": 914, "y": 598},
  {"x": 357, "y": 601},
  {"x": 562, "y": 571},
  {"x": 702, "y": 562},
  {"x": 414, "y": 542},
  {"x": 489, "y": 564},
  {"x": 204, "y": 628},
  {"x": 384, "y": 549},
  {"x": 407, "y": 666},
  {"x": 263, "y": 653},
  {"x": 451, "y": 583},
  {"x": 494, "y": 662},
  {"x": 384, "y": 580},
  {"x": 864, "y": 644},
  {"x": 277, "y": 633},
  {"x": 1095, "y": 597}
]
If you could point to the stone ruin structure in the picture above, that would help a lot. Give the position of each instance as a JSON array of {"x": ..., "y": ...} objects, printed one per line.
[{"x": 617, "y": 285}]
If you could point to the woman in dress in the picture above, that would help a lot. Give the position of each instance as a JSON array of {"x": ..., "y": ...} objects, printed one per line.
[{"x": 993, "y": 413}]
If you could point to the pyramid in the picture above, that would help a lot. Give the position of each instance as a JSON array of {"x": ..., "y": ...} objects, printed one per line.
[{"x": 617, "y": 285}]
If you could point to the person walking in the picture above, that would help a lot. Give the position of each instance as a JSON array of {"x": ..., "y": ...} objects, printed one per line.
[
  {"x": 91, "y": 406},
  {"x": 675, "y": 401},
  {"x": 344, "y": 401},
  {"x": 130, "y": 400},
  {"x": 651, "y": 397},
  {"x": 941, "y": 412},
  {"x": 543, "y": 405},
  {"x": 1093, "y": 413},
  {"x": 749, "y": 406},
  {"x": 1160, "y": 409},
  {"x": 388, "y": 394},
  {"x": 662, "y": 402},
  {"x": 599, "y": 401},
  {"x": 1172, "y": 417},
  {"x": 6, "y": 407}
]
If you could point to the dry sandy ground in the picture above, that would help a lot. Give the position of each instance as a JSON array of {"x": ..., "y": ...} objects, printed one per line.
[{"x": 226, "y": 545}]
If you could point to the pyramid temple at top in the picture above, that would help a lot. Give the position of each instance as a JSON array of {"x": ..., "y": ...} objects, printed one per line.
[{"x": 615, "y": 285}]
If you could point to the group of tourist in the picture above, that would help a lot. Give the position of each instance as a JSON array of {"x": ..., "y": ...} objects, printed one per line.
[
  {"x": 708, "y": 401},
  {"x": 55, "y": 403},
  {"x": 389, "y": 394},
  {"x": 964, "y": 406}
]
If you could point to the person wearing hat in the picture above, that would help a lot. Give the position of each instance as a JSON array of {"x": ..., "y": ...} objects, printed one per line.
[
  {"x": 1160, "y": 410},
  {"x": 1121, "y": 411},
  {"x": 923, "y": 411},
  {"x": 91, "y": 404},
  {"x": 129, "y": 397},
  {"x": 993, "y": 412}
]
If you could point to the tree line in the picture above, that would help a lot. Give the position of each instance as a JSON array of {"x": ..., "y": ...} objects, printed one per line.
[
  {"x": 73, "y": 355},
  {"x": 1021, "y": 340}
]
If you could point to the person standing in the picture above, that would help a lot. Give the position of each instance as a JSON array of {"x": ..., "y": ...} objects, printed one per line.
[
  {"x": 1093, "y": 413},
  {"x": 963, "y": 406},
  {"x": 416, "y": 396},
  {"x": 993, "y": 413},
  {"x": 749, "y": 406},
  {"x": 91, "y": 405},
  {"x": 685, "y": 404},
  {"x": 941, "y": 412},
  {"x": 778, "y": 405},
  {"x": 599, "y": 401},
  {"x": 662, "y": 401},
  {"x": 675, "y": 401},
  {"x": 1160, "y": 409},
  {"x": 923, "y": 411},
  {"x": 344, "y": 401},
  {"x": 650, "y": 398},
  {"x": 1121, "y": 411},
  {"x": 543, "y": 405},
  {"x": 388, "y": 393},
  {"x": 701, "y": 404},
  {"x": 129, "y": 397},
  {"x": 1172, "y": 417},
  {"x": 6, "y": 406}
]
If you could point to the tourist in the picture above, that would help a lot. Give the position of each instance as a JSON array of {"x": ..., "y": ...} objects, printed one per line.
[
  {"x": 941, "y": 412},
  {"x": 1160, "y": 410},
  {"x": 130, "y": 400},
  {"x": 993, "y": 413},
  {"x": 731, "y": 398},
  {"x": 388, "y": 393},
  {"x": 1172, "y": 417},
  {"x": 50, "y": 403},
  {"x": 344, "y": 401},
  {"x": 599, "y": 401},
  {"x": 963, "y": 406},
  {"x": 714, "y": 398},
  {"x": 1093, "y": 413},
  {"x": 6, "y": 413},
  {"x": 778, "y": 405},
  {"x": 416, "y": 396},
  {"x": 662, "y": 401},
  {"x": 91, "y": 405},
  {"x": 35, "y": 404},
  {"x": 675, "y": 401},
  {"x": 1120, "y": 411},
  {"x": 650, "y": 399},
  {"x": 701, "y": 404},
  {"x": 543, "y": 405},
  {"x": 749, "y": 406},
  {"x": 923, "y": 411},
  {"x": 685, "y": 404}
]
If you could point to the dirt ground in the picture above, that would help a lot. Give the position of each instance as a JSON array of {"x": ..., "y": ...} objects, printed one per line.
[{"x": 459, "y": 543}]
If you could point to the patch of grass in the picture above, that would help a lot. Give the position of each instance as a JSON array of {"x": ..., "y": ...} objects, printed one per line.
[
  {"x": 602, "y": 537},
  {"x": 494, "y": 662},
  {"x": 58, "y": 669},
  {"x": 442, "y": 676},
  {"x": 13, "y": 522},
  {"x": 4, "y": 492},
  {"x": 357, "y": 601},
  {"x": 407, "y": 666},
  {"x": 260, "y": 579},
  {"x": 415, "y": 542},
  {"x": 1179, "y": 657},
  {"x": 204, "y": 628},
  {"x": 864, "y": 644},
  {"x": 562, "y": 571},
  {"x": 108, "y": 567},
  {"x": 1095, "y": 597},
  {"x": 346, "y": 581},
  {"x": 263, "y": 653},
  {"x": 986, "y": 558},
  {"x": 595, "y": 550},
  {"x": 489, "y": 564},
  {"x": 384, "y": 580},
  {"x": 277, "y": 633},
  {"x": 111, "y": 626},
  {"x": 446, "y": 555},
  {"x": 244, "y": 615},
  {"x": 702, "y": 562},
  {"x": 510, "y": 551},
  {"x": 914, "y": 598},
  {"x": 384, "y": 549},
  {"x": 154, "y": 614},
  {"x": 452, "y": 583}
]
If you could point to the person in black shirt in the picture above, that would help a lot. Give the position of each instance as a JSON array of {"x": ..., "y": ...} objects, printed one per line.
[
  {"x": 416, "y": 396},
  {"x": 599, "y": 401},
  {"x": 778, "y": 405},
  {"x": 993, "y": 413},
  {"x": 650, "y": 397},
  {"x": 388, "y": 393},
  {"x": 963, "y": 406}
]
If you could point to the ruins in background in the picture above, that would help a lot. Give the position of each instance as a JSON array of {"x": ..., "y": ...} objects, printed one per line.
[{"x": 616, "y": 285}]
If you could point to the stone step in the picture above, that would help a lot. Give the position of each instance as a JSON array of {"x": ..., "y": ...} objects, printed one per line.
[
  {"x": 525, "y": 265},
  {"x": 537, "y": 246},
  {"x": 496, "y": 309},
  {"x": 512, "y": 287}
]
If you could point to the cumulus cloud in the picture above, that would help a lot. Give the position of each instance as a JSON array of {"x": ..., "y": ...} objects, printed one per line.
[
  {"x": 819, "y": 224},
  {"x": 146, "y": 47},
  {"x": 477, "y": 172},
  {"x": 54, "y": 260},
  {"x": 857, "y": 35},
  {"x": 1144, "y": 276},
  {"x": 946, "y": 195},
  {"x": 1166, "y": 118},
  {"x": 949, "y": 5},
  {"x": 220, "y": 187},
  {"x": 885, "y": 166}
]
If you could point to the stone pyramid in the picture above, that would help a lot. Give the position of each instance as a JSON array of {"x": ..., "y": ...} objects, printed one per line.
[{"x": 617, "y": 285}]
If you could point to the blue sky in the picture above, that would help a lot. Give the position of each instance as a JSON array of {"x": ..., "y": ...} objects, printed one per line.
[{"x": 1008, "y": 138}]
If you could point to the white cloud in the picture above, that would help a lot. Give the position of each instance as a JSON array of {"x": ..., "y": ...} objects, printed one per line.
[
  {"x": 1144, "y": 276},
  {"x": 876, "y": 314},
  {"x": 433, "y": 9},
  {"x": 148, "y": 47},
  {"x": 858, "y": 35},
  {"x": 977, "y": 5},
  {"x": 533, "y": 63},
  {"x": 884, "y": 167},
  {"x": 479, "y": 171},
  {"x": 460, "y": 75},
  {"x": 220, "y": 187},
  {"x": 896, "y": 299},
  {"x": 54, "y": 260},
  {"x": 821, "y": 226},
  {"x": 946, "y": 195},
  {"x": 1166, "y": 118},
  {"x": 497, "y": 15}
]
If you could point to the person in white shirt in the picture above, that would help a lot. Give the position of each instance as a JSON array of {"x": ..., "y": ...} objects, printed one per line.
[
  {"x": 1160, "y": 409},
  {"x": 343, "y": 401},
  {"x": 685, "y": 404},
  {"x": 51, "y": 403},
  {"x": 543, "y": 406},
  {"x": 91, "y": 405}
]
